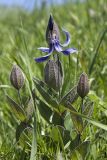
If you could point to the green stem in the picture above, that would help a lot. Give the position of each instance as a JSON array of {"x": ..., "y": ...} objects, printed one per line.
[
  {"x": 69, "y": 58},
  {"x": 58, "y": 77},
  {"x": 20, "y": 99},
  {"x": 82, "y": 105}
]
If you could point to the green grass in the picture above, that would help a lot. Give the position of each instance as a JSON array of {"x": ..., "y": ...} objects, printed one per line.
[{"x": 21, "y": 33}]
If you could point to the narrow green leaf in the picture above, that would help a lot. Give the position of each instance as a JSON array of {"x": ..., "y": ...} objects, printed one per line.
[
  {"x": 26, "y": 138},
  {"x": 57, "y": 119},
  {"x": 81, "y": 151},
  {"x": 56, "y": 136},
  {"x": 96, "y": 123},
  {"x": 74, "y": 156},
  {"x": 88, "y": 110},
  {"x": 75, "y": 142},
  {"x": 53, "y": 93},
  {"x": 65, "y": 134},
  {"x": 68, "y": 122},
  {"x": 18, "y": 111},
  {"x": 77, "y": 120},
  {"x": 70, "y": 97},
  {"x": 48, "y": 98},
  {"x": 5, "y": 86},
  {"x": 83, "y": 148},
  {"x": 34, "y": 143},
  {"x": 20, "y": 128},
  {"x": 44, "y": 110}
]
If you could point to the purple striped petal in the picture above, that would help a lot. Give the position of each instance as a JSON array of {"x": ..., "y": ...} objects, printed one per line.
[
  {"x": 67, "y": 38},
  {"x": 44, "y": 58},
  {"x": 44, "y": 49},
  {"x": 57, "y": 47},
  {"x": 69, "y": 51}
]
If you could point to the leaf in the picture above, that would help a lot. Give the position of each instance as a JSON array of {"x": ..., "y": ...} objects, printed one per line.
[
  {"x": 56, "y": 136},
  {"x": 88, "y": 110},
  {"x": 75, "y": 142},
  {"x": 68, "y": 122},
  {"x": 83, "y": 148},
  {"x": 53, "y": 93},
  {"x": 21, "y": 127},
  {"x": 26, "y": 138},
  {"x": 74, "y": 156},
  {"x": 65, "y": 134},
  {"x": 77, "y": 120},
  {"x": 44, "y": 110},
  {"x": 5, "y": 86},
  {"x": 96, "y": 123},
  {"x": 18, "y": 111},
  {"x": 48, "y": 98},
  {"x": 57, "y": 119},
  {"x": 80, "y": 151},
  {"x": 70, "y": 97},
  {"x": 34, "y": 139}
]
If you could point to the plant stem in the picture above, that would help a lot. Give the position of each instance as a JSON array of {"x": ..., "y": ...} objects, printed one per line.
[
  {"x": 59, "y": 77},
  {"x": 69, "y": 60},
  {"x": 20, "y": 98},
  {"x": 82, "y": 105}
]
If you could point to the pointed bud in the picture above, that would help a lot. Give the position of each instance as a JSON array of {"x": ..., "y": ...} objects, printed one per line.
[
  {"x": 52, "y": 31},
  {"x": 83, "y": 85},
  {"x": 53, "y": 75},
  {"x": 16, "y": 77}
]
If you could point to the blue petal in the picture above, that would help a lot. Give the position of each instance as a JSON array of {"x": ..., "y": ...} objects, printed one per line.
[
  {"x": 67, "y": 38},
  {"x": 44, "y": 58},
  {"x": 69, "y": 51},
  {"x": 44, "y": 49},
  {"x": 57, "y": 47}
]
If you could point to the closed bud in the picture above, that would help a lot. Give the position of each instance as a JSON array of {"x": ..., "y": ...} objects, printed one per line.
[
  {"x": 53, "y": 75},
  {"x": 52, "y": 31},
  {"x": 83, "y": 85},
  {"x": 16, "y": 77}
]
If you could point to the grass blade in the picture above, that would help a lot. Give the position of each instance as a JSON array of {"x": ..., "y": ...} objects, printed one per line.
[
  {"x": 96, "y": 51},
  {"x": 34, "y": 144}
]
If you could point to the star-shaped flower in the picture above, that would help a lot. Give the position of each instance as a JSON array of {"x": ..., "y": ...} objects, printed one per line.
[{"x": 52, "y": 38}]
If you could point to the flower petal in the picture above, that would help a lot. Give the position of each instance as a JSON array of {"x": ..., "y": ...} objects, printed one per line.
[
  {"x": 57, "y": 47},
  {"x": 44, "y": 58},
  {"x": 67, "y": 38},
  {"x": 44, "y": 49},
  {"x": 69, "y": 51}
]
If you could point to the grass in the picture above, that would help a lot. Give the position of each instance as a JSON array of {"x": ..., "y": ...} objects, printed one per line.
[{"x": 21, "y": 34}]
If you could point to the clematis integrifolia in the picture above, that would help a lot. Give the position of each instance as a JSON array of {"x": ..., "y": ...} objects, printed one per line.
[{"x": 52, "y": 38}]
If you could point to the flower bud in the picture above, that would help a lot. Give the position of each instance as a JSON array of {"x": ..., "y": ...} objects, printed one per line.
[
  {"x": 52, "y": 31},
  {"x": 16, "y": 77},
  {"x": 83, "y": 85},
  {"x": 53, "y": 75}
]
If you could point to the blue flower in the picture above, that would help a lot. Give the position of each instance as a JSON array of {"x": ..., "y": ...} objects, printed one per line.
[{"x": 52, "y": 38}]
